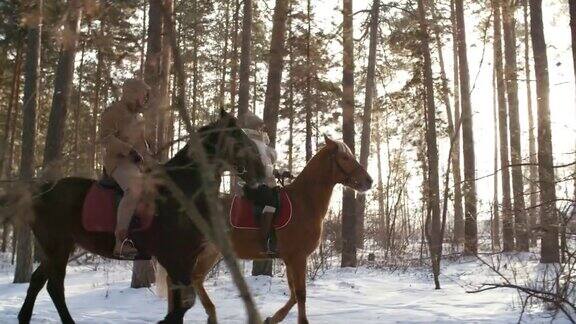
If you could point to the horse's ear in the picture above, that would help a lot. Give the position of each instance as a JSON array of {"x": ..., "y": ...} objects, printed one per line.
[{"x": 329, "y": 142}]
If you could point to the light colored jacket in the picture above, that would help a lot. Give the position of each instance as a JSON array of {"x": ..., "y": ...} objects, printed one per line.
[
  {"x": 267, "y": 154},
  {"x": 123, "y": 128}
]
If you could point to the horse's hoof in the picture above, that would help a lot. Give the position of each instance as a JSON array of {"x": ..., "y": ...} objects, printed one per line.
[
  {"x": 268, "y": 320},
  {"x": 212, "y": 321}
]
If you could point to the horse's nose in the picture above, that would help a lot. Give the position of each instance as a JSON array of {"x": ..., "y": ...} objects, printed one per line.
[{"x": 369, "y": 181}]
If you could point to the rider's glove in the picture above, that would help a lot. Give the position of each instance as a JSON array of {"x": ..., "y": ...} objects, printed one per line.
[{"x": 135, "y": 156}]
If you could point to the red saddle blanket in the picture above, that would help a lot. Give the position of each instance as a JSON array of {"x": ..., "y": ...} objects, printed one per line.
[
  {"x": 242, "y": 213},
  {"x": 99, "y": 212}
]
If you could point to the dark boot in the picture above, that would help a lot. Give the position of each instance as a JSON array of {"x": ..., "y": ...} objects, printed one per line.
[{"x": 265, "y": 229}]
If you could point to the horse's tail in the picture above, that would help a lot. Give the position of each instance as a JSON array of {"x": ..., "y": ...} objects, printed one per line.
[
  {"x": 16, "y": 206},
  {"x": 161, "y": 281}
]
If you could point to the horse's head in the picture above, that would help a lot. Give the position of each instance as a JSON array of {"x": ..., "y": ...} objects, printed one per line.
[
  {"x": 228, "y": 145},
  {"x": 345, "y": 169}
]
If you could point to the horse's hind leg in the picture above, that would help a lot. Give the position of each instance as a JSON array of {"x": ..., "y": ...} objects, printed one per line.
[
  {"x": 37, "y": 281},
  {"x": 206, "y": 261},
  {"x": 55, "y": 287},
  {"x": 206, "y": 302},
  {"x": 282, "y": 312},
  {"x": 299, "y": 276}
]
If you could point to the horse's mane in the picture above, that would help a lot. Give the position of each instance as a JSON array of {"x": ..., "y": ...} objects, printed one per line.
[{"x": 182, "y": 156}]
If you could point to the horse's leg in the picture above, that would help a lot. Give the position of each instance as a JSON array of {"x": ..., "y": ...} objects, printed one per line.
[
  {"x": 299, "y": 273},
  {"x": 206, "y": 302},
  {"x": 55, "y": 285},
  {"x": 181, "y": 302},
  {"x": 37, "y": 281},
  {"x": 206, "y": 261},
  {"x": 282, "y": 312}
]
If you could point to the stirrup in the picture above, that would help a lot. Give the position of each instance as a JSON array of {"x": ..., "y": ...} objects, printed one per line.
[{"x": 126, "y": 256}]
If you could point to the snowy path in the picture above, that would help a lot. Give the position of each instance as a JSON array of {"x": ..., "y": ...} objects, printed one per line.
[{"x": 338, "y": 296}]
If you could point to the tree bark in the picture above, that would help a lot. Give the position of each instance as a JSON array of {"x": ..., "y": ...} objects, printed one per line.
[
  {"x": 533, "y": 158},
  {"x": 495, "y": 219},
  {"x": 349, "y": 219},
  {"x": 25, "y": 248},
  {"x": 275, "y": 68},
  {"x": 222, "y": 91},
  {"x": 470, "y": 222},
  {"x": 12, "y": 104},
  {"x": 234, "y": 63},
  {"x": 62, "y": 90},
  {"x": 166, "y": 62},
  {"x": 458, "y": 209},
  {"x": 77, "y": 107},
  {"x": 272, "y": 98},
  {"x": 308, "y": 94},
  {"x": 367, "y": 116},
  {"x": 549, "y": 250},
  {"x": 153, "y": 70},
  {"x": 96, "y": 105},
  {"x": 245, "y": 57},
  {"x": 507, "y": 221},
  {"x": 509, "y": 27},
  {"x": 433, "y": 223}
]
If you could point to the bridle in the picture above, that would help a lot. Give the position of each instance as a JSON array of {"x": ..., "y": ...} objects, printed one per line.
[{"x": 348, "y": 175}]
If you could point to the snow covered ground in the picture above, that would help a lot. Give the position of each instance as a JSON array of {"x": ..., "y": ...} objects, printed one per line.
[{"x": 363, "y": 295}]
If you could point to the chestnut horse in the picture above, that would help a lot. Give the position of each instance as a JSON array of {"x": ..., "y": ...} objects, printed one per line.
[
  {"x": 172, "y": 238},
  {"x": 310, "y": 195}
]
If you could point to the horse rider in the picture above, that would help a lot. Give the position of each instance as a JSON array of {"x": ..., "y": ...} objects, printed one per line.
[
  {"x": 265, "y": 195},
  {"x": 123, "y": 135}
]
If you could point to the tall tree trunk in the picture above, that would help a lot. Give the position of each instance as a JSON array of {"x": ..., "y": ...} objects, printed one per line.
[
  {"x": 572, "y": 6},
  {"x": 275, "y": 67},
  {"x": 509, "y": 27},
  {"x": 495, "y": 220},
  {"x": 25, "y": 248},
  {"x": 367, "y": 116},
  {"x": 433, "y": 222},
  {"x": 234, "y": 63},
  {"x": 12, "y": 146},
  {"x": 380, "y": 188},
  {"x": 458, "y": 209},
  {"x": 349, "y": 219},
  {"x": 195, "y": 65},
  {"x": 157, "y": 72},
  {"x": 290, "y": 98},
  {"x": 96, "y": 105},
  {"x": 166, "y": 62},
  {"x": 549, "y": 252},
  {"x": 62, "y": 89},
  {"x": 245, "y": 58},
  {"x": 533, "y": 158},
  {"x": 143, "y": 41},
  {"x": 272, "y": 99},
  {"x": 507, "y": 221},
  {"x": 452, "y": 131},
  {"x": 470, "y": 221},
  {"x": 77, "y": 107},
  {"x": 222, "y": 91},
  {"x": 12, "y": 103},
  {"x": 153, "y": 70},
  {"x": 308, "y": 94}
]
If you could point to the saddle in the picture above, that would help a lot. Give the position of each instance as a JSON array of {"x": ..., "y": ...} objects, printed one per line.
[
  {"x": 243, "y": 212},
  {"x": 101, "y": 204}
]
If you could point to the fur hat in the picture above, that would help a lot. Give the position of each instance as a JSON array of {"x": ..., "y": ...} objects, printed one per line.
[
  {"x": 133, "y": 88},
  {"x": 252, "y": 121}
]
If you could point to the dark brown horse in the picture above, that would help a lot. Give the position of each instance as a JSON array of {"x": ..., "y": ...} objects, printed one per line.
[
  {"x": 172, "y": 238},
  {"x": 310, "y": 195}
]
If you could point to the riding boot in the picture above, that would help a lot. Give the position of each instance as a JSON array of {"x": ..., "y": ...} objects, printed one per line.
[{"x": 265, "y": 231}]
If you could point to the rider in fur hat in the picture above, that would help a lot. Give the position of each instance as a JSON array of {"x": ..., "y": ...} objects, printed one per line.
[
  {"x": 123, "y": 135},
  {"x": 265, "y": 195}
]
